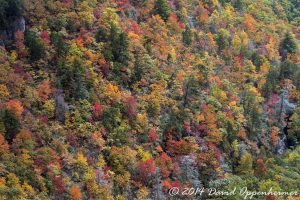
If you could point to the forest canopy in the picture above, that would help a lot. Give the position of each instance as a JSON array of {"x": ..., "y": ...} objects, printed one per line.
[{"x": 126, "y": 99}]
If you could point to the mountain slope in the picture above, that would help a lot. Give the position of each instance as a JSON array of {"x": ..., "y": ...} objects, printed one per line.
[{"x": 126, "y": 99}]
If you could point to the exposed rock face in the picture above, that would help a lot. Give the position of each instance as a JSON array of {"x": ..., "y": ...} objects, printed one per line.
[
  {"x": 18, "y": 24},
  {"x": 281, "y": 145},
  {"x": 157, "y": 192},
  {"x": 286, "y": 106},
  {"x": 243, "y": 148},
  {"x": 191, "y": 21},
  {"x": 61, "y": 106},
  {"x": 251, "y": 44},
  {"x": 189, "y": 171},
  {"x": 224, "y": 165},
  {"x": 285, "y": 109}
]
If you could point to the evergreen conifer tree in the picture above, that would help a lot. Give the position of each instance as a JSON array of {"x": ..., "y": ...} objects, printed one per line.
[
  {"x": 187, "y": 36},
  {"x": 162, "y": 8},
  {"x": 287, "y": 46},
  {"x": 36, "y": 48}
]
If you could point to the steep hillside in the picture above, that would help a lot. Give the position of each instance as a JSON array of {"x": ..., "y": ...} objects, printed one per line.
[{"x": 126, "y": 99}]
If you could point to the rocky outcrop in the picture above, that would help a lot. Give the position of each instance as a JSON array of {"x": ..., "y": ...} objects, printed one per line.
[
  {"x": 189, "y": 171},
  {"x": 61, "y": 107},
  {"x": 157, "y": 192},
  {"x": 285, "y": 108},
  {"x": 18, "y": 24},
  {"x": 191, "y": 21}
]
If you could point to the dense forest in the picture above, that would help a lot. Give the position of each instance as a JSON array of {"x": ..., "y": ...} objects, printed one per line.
[{"x": 125, "y": 99}]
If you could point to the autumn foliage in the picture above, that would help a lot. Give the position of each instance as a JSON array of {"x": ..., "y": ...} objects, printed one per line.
[{"x": 125, "y": 99}]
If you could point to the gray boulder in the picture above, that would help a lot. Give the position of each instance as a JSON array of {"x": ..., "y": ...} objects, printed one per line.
[{"x": 61, "y": 107}]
